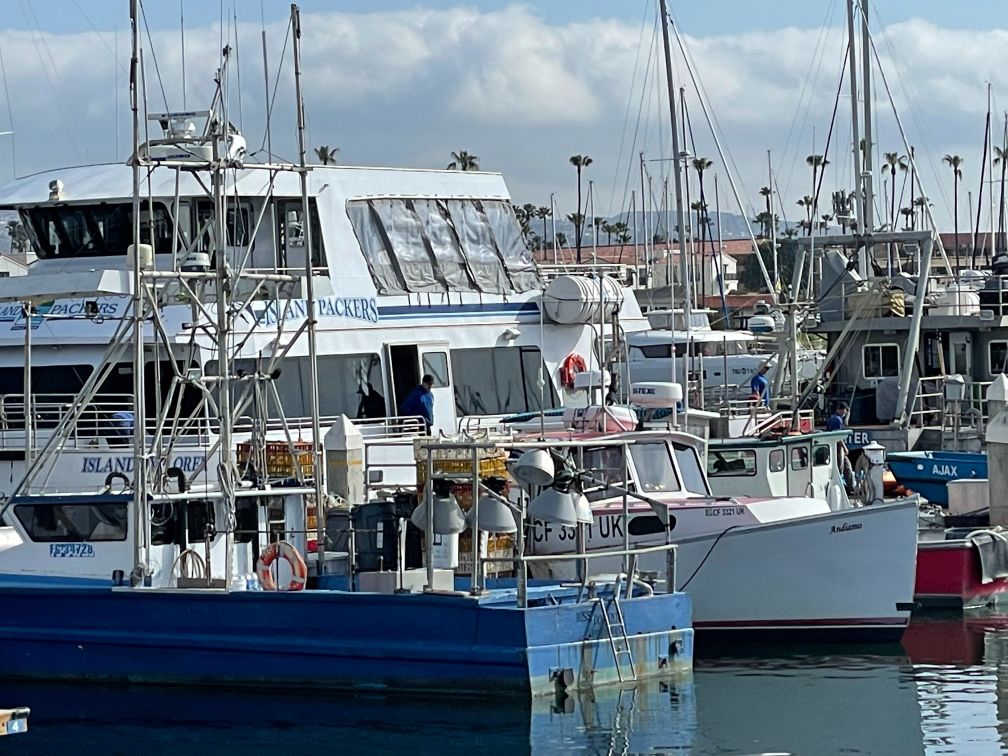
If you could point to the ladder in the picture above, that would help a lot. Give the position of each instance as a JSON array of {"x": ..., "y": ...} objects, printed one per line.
[{"x": 616, "y": 630}]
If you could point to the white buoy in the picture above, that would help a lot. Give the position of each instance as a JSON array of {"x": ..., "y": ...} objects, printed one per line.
[
  {"x": 997, "y": 468},
  {"x": 344, "y": 455}
]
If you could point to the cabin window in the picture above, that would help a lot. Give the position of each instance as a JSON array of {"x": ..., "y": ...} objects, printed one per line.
[
  {"x": 46, "y": 523},
  {"x": 776, "y": 460},
  {"x": 689, "y": 468},
  {"x": 291, "y": 234},
  {"x": 653, "y": 351},
  {"x": 237, "y": 225},
  {"x": 997, "y": 351},
  {"x": 435, "y": 364},
  {"x": 731, "y": 462},
  {"x": 645, "y": 525},
  {"x": 655, "y": 473},
  {"x": 348, "y": 384},
  {"x": 799, "y": 458},
  {"x": 99, "y": 230},
  {"x": 417, "y": 245},
  {"x": 501, "y": 381},
  {"x": 820, "y": 455},
  {"x": 880, "y": 360},
  {"x": 604, "y": 467}
]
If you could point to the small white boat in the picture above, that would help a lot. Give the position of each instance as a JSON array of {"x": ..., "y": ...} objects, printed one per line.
[{"x": 781, "y": 566}]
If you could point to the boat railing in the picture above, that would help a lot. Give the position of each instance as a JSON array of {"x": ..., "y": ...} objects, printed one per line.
[
  {"x": 620, "y": 580},
  {"x": 371, "y": 428},
  {"x": 625, "y": 274}
]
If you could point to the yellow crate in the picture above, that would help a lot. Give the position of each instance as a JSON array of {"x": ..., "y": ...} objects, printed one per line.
[
  {"x": 498, "y": 545},
  {"x": 279, "y": 462}
]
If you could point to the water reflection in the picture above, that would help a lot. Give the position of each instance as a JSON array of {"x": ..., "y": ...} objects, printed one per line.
[{"x": 945, "y": 693}]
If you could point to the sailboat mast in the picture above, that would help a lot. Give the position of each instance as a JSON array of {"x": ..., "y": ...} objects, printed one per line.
[
  {"x": 869, "y": 161},
  {"x": 684, "y": 268},
  {"x": 317, "y": 473},
  {"x": 140, "y": 530},
  {"x": 856, "y": 136}
]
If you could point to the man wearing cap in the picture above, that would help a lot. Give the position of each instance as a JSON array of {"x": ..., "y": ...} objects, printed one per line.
[{"x": 838, "y": 422}]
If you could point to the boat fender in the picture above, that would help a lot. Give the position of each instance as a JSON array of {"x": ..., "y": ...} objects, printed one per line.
[
  {"x": 180, "y": 478},
  {"x": 294, "y": 559},
  {"x": 572, "y": 365},
  {"x": 116, "y": 476}
]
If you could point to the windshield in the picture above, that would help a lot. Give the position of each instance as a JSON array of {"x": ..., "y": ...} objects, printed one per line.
[
  {"x": 689, "y": 468},
  {"x": 655, "y": 471},
  {"x": 95, "y": 230}
]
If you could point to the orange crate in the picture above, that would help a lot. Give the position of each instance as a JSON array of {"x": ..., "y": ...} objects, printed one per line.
[{"x": 279, "y": 462}]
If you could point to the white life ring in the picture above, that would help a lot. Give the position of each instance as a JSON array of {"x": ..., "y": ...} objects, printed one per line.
[{"x": 294, "y": 559}]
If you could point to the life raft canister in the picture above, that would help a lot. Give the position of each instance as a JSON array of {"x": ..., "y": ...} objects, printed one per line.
[
  {"x": 294, "y": 559},
  {"x": 571, "y": 366}
]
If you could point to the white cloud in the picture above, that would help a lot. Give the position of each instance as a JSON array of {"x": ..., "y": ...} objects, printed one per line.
[{"x": 407, "y": 88}]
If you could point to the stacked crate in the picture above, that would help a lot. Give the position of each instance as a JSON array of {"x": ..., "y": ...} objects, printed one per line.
[{"x": 456, "y": 465}]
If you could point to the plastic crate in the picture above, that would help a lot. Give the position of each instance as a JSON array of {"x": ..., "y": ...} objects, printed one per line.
[{"x": 279, "y": 462}]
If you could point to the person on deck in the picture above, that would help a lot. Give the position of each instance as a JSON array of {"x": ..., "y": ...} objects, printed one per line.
[
  {"x": 760, "y": 386},
  {"x": 838, "y": 422},
  {"x": 420, "y": 401}
]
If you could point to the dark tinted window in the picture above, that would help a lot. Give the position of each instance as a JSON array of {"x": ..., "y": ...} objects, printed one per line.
[
  {"x": 73, "y": 522},
  {"x": 501, "y": 381},
  {"x": 645, "y": 525},
  {"x": 96, "y": 230}
]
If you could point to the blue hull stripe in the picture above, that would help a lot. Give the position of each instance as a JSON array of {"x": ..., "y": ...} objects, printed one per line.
[{"x": 397, "y": 312}]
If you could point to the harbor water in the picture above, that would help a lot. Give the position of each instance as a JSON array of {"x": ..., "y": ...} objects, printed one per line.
[{"x": 944, "y": 690}]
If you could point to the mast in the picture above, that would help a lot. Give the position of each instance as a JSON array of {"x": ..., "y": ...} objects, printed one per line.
[
  {"x": 684, "y": 270},
  {"x": 317, "y": 474},
  {"x": 140, "y": 530},
  {"x": 869, "y": 161},
  {"x": 771, "y": 222},
  {"x": 856, "y": 138}
]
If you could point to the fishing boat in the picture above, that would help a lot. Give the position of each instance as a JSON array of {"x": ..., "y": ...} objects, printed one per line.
[
  {"x": 781, "y": 565},
  {"x": 151, "y": 502},
  {"x": 928, "y": 472}
]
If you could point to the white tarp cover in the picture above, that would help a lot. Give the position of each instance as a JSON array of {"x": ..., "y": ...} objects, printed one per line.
[{"x": 423, "y": 245}]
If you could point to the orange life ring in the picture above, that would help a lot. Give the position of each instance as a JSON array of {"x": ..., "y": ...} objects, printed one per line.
[
  {"x": 571, "y": 366},
  {"x": 294, "y": 559}
]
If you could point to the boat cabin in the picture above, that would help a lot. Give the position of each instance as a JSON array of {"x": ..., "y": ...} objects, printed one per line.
[{"x": 793, "y": 465}]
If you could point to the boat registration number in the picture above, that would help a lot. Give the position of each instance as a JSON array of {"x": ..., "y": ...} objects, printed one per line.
[
  {"x": 70, "y": 550},
  {"x": 724, "y": 511}
]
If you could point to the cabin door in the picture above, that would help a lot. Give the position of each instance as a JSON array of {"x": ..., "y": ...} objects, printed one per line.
[
  {"x": 799, "y": 470},
  {"x": 960, "y": 354},
  {"x": 408, "y": 363}
]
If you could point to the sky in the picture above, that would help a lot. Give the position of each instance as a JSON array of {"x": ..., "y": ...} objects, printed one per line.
[{"x": 526, "y": 85}]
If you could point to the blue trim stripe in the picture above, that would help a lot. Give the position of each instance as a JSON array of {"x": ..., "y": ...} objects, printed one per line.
[
  {"x": 20, "y": 580},
  {"x": 390, "y": 312}
]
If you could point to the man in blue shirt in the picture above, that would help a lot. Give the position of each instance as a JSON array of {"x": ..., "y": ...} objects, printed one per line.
[
  {"x": 420, "y": 401},
  {"x": 760, "y": 386},
  {"x": 837, "y": 422}
]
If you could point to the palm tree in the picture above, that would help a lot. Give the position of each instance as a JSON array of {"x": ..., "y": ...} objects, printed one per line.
[
  {"x": 906, "y": 165},
  {"x": 463, "y": 161},
  {"x": 807, "y": 202},
  {"x": 817, "y": 163},
  {"x": 18, "y": 237},
  {"x": 544, "y": 212},
  {"x": 955, "y": 163},
  {"x": 918, "y": 205},
  {"x": 824, "y": 224},
  {"x": 597, "y": 222},
  {"x": 560, "y": 240},
  {"x": 1001, "y": 156},
  {"x": 892, "y": 160},
  {"x": 326, "y": 154},
  {"x": 765, "y": 193},
  {"x": 579, "y": 162},
  {"x": 907, "y": 213}
]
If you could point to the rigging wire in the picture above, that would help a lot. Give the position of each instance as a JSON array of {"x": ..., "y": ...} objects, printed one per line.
[
  {"x": 276, "y": 87},
  {"x": 10, "y": 114},
  {"x": 626, "y": 120},
  {"x": 38, "y": 39},
  {"x": 153, "y": 54},
  {"x": 789, "y": 154}
]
